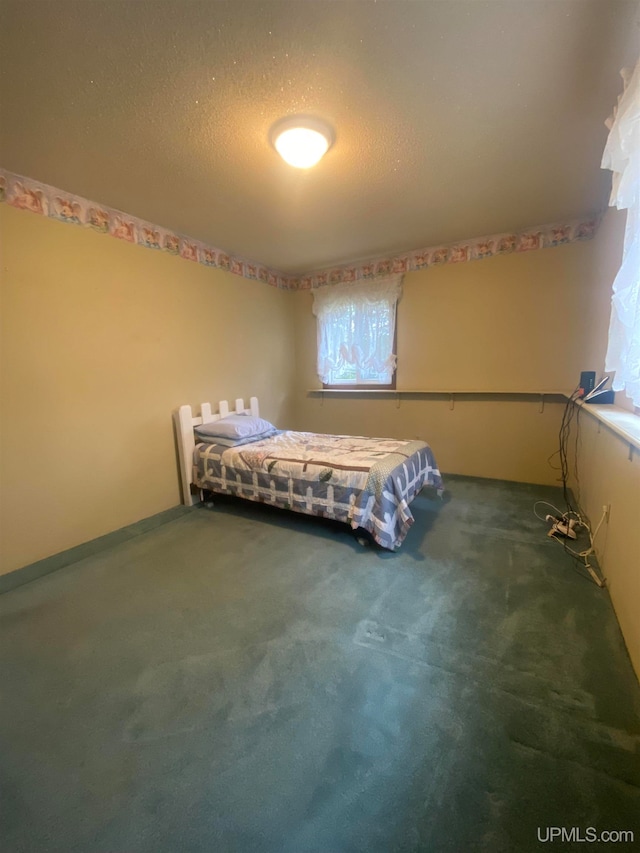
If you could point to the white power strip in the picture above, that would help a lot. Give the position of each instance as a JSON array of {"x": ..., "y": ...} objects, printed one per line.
[
  {"x": 561, "y": 526},
  {"x": 564, "y": 527}
]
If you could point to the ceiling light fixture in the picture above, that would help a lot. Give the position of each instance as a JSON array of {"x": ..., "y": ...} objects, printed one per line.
[{"x": 301, "y": 141}]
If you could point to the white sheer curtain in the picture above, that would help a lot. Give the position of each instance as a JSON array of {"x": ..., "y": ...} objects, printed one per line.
[
  {"x": 622, "y": 157},
  {"x": 356, "y": 331}
]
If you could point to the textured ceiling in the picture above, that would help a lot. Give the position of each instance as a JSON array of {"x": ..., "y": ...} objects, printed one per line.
[{"x": 453, "y": 119}]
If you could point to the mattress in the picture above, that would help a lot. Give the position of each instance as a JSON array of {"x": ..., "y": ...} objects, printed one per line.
[{"x": 368, "y": 483}]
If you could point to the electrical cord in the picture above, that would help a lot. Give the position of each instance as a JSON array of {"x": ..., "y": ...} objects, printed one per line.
[
  {"x": 545, "y": 503},
  {"x": 571, "y": 416},
  {"x": 565, "y": 432},
  {"x": 576, "y": 451}
]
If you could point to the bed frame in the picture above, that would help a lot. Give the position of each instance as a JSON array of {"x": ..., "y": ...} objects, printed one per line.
[{"x": 185, "y": 422}]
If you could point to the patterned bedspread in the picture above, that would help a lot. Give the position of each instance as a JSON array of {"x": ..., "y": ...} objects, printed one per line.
[{"x": 365, "y": 482}]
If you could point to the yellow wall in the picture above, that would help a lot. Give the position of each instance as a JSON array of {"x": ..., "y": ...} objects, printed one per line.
[
  {"x": 608, "y": 473},
  {"x": 609, "y": 477},
  {"x": 101, "y": 340},
  {"x": 520, "y": 322}
]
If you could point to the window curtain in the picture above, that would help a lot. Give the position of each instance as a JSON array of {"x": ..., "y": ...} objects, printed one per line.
[
  {"x": 356, "y": 327},
  {"x": 622, "y": 157}
]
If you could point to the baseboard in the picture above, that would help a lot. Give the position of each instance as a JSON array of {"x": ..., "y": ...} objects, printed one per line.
[
  {"x": 498, "y": 480},
  {"x": 39, "y": 569}
]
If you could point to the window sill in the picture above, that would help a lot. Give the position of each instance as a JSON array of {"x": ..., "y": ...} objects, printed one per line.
[{"x": 618, "y": 420}]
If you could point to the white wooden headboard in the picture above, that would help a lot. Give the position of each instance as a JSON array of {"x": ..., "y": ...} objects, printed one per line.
[{"x": 185, "y": 422}]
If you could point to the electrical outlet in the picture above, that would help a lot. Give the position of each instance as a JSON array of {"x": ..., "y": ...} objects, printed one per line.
[{"x": 606, "y": 510}]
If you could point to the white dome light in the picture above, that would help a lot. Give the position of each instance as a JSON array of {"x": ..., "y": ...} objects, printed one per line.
[{"x": 301, "y": 141}]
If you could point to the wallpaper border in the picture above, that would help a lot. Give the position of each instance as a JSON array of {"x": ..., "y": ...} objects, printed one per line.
[
  {"x": 36, "y": 197},
  {"x": 27, "y": 194},
  {"x": 476, "y": 249}
]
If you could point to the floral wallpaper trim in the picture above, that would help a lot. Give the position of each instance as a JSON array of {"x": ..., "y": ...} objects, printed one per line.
[
  {"x": 27, "y": 194},
  {"x": 540, "y": 237},
  {"x": 40, "y": 198}
]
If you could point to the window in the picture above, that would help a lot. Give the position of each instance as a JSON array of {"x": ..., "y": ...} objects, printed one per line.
[
  {"x": 357, "y": 333},
  {"x": 622, "y": 156}
]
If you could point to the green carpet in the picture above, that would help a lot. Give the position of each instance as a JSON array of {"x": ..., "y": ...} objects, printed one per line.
[{"x": 241, "y": 679}]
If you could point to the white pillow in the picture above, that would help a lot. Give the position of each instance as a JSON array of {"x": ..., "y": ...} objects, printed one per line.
[
  {"x": 236, "y": 442},
  {"x": 234, "y": 426}
]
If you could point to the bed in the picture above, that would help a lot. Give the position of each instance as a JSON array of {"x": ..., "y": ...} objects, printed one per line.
[{"x": 367, "y": 483}]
